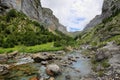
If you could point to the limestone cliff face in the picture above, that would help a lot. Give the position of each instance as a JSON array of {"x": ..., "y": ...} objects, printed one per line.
[
  {"x": 34, "y": 10},
  {"x": 110, "y": 7}
]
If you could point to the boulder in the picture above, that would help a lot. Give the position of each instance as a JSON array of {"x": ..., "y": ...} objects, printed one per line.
[
  {"x": 100, "y": 55},
  {"x": 44, "y": 62},
  {"x": 41, "y": 57},
  {"x": 3, "y": 69},
  {"x": 38, "y": 57},
  {"x": 53, "y": 70}
]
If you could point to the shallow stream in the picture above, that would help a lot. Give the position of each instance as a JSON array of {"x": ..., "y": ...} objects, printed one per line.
[{"x": 75, "y": 71}]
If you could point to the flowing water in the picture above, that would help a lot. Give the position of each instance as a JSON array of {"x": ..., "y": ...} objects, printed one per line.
[{"x": 75, "y": 71}]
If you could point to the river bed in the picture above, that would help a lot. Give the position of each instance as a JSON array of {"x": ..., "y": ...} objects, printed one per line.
[{"x": 79, "y": 68}]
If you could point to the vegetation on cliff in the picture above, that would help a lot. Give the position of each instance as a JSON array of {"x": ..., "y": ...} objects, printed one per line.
[
  {"x": 17, "y": 29},
  {"x": 108, "y": 30}
]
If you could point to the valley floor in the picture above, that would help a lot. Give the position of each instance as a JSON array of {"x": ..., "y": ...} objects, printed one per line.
[{"x": 88, "y": 63}]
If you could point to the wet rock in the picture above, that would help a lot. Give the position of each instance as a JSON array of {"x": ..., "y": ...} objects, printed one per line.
[
  {"x": 71, "y": 58},
  {"x": 67, "y": 77},
  {"x": 77, "y": 70},
  {"x": 77, "y": 57},
  {"x": 53, "y": 70},
  {"x": 3, "y": 69},
  {"x": 67, "y": 62},
  {"x": 24, "y": 60},
  {"x": 65, "y": 65}
]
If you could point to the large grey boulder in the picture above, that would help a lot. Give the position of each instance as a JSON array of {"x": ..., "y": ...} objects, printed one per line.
[{"x": 53, "y": 70}]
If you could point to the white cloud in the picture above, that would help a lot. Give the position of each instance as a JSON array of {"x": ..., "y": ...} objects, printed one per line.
[{"x": 74, "y": 14}]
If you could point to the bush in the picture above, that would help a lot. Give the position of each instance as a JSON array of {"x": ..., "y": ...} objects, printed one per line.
[{"x": 11, "y": 14}]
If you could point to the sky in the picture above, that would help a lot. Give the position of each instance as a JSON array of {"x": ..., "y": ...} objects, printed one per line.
[{"x": 74, "y": 14}]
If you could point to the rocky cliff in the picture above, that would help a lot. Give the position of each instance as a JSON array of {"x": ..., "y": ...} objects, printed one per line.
[
  {"x": 34, "y": 10},
  {"x": 110, "y": 7}
]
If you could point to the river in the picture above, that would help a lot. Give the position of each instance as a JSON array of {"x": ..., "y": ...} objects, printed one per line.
[{"x": 74, "y": 71}]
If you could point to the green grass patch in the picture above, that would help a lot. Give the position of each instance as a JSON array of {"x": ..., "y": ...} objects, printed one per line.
[{"x": 32, "y": 49}]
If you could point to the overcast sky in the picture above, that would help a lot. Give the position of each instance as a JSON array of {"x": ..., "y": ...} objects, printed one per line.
[{"x": 74, "y": 14}]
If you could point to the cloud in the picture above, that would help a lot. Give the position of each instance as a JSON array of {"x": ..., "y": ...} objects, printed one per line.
[{"x": 74, "y": 14}]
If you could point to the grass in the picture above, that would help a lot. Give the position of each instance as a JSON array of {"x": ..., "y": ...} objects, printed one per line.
[{"x": 32, "y": 49}]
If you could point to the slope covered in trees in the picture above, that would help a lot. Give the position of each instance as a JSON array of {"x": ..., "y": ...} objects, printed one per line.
[{"x": 17, "y": 29}]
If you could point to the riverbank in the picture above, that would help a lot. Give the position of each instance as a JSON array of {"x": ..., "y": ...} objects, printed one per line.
[{"x": 27, "y": 66}]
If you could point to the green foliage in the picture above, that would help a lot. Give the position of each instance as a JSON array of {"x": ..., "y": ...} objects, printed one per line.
[
  {"x": 11, "y": 14},
  {"x": 17, "y": 29},
  {"x": 105, "y": 63},
  {"x": 100, "y": 73},
  {"x": 63, "y": 40}
]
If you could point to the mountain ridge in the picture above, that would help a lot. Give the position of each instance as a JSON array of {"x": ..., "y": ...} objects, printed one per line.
[
  {"x": 34, "y": 10},
  {"x": 110, "y": 7}
]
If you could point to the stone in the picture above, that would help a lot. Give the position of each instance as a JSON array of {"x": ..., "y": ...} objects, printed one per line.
[
  {"x": 34, "y": 78},
  {"x": 24, "y": 60},
  {"x": 67, "y": 77},
  {"x": 100, "y": 55},
  {"x": 3, "y": 69},
  {"x": 40, "y": 57},
  {"x": 44, "y": 62},
  {"x": 71, "y": 58},
  {"x": 52, "y": 78},
  {"x": 3, "y": 57},
  {"x": 53, "y": 70}
]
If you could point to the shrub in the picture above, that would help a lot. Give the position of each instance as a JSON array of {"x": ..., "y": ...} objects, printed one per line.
[{"x": 11, "y": 14}]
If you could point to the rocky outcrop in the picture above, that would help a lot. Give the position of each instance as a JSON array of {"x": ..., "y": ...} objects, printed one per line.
[
  {"x": 34, "y": 10},
  {"x": 110, "y": 8}
]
